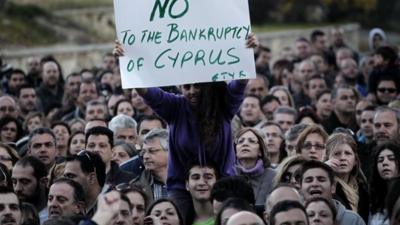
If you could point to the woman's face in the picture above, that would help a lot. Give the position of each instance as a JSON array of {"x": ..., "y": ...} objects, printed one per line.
[
  {"x": 247, "y": 147},
  {"x": 324, "y": 105},
  {"x": 313, "y": 147},
  {"x": 319, "y": 214},
  {"x": 5, "y": 158},
  {"x": 62, "y": 135},
  {"x": 166, "y": 212},
  {"x": 282, "y": 96},
  {"x": 34, "y": 123},
  {"x": 138, "y": 207},
  {"x": 77, "y": 144},
  {"x": 226, "y": 214},
  {"x": 387, "y": 166},
  {"x": 119, "y": 155},
  {"x": 78, "y": 126},
  {"x": 9, "y": 132},
  {"x": 292, "y": 175},
  {"x": 126, "y": 109},
  {"x": 107, "y": 79},
  {"x": 346, "y": 157}
]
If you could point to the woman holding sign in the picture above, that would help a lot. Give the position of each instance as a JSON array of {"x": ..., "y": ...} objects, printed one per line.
[{"x": 199, "y": 127}]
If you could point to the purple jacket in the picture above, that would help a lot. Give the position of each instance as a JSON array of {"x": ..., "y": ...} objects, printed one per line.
[{"x": 184, "y": 140}]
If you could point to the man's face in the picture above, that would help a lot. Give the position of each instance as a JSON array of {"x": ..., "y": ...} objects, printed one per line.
[
  {"x": 360, "y": 106},
  {"x": 73, "y": 171},
  {"x": 112, "y": 102},
  {"x": 50, "y": 74},
  {"x": 61, "y": 202},
  {"x": 320, "y": 43},
  {"x": 94, "y": 112},
  {"x": 315, "y": 183},
  {"x": 109, "y": 62},
  {"x": 124, "y": 216},
  {"x": 99, "y": 144},
  {"x": 10, "y": 211},
  {"x": 320, "y": 62},
  {"x": 269, "y": 109},
  {"x": 385, "y": 126},
  {"x": 128, "y": 135},
  {"x": 25, "y": 184},
  {"x": 16, "y": 81},
  {"x": 72, "y": 85},
  {"x": 273, "y": 138},
  {"x": 263, "y": 59},
  {"x": 8, "y": 107},
  {"x": 191, "y": 93},
  {"x": 250, "y": 110},
  {"x": 345, "y": 101},
  {"x": 257, "y": 87},
  {"x": 43, "y": 147},
  {"x": 155, "y": 157},
  {"x": 315, "y": 86},
  {"x": 87, "y": 92},
  {"x": 367, "y": 123},
  {"x": 292, "y": 217},
  {"x": 306, "y": 70},
  {"x": 386, "y": 91},
  {"x": 148, "y": 125},
  {"x": 349, "y": 68},
  {"x": 33, "y": 65},
  {"x": 27, "y": 99},
  {"x": 285, "y": 121},
  {"x": 200, "y": 182},
  {"x": 302, "y": 49}
]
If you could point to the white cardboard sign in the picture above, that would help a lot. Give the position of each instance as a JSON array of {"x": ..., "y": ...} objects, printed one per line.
[{"x": 172, "y": 42}]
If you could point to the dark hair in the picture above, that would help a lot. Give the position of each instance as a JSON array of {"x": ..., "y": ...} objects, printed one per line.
[
  {"x": 25, "y": 86},
  {"x": 5, "y": 176},
  {"x": 90, "y": 162},
  {"x": 330, "y": 205},
  {"x": 6, "y": 120},
  {"x": 229, "y": 187},
  {"x": 59, "y": 221},
  {"x": 61, "y": 123},
  {"x": 152, "y": 205},
  {"x": 71, "y": 137},
  {"x": 307, "y": 112},
  {"x": 138, "y": 189},
  {"x": 285, "y": 206},
  {"x": 39, "y": 168},
  {"x": 392, "y": 198},
  {"x": 315, "y": 34},
  {"x": 313, "y": 164},
  {"x": 207, "y": 164},
  {"x": 344, "y": 86},
  {"x": 100, "y": 131},
  {"x": 6, "y": 190},
  {"x": 41, "y": 131},
  {"x": 89, "y": 81},
  {"x": 378, "y": 186},
  {"x": 151, "y": 117},
  {"x": 12, "y": 152},
  {"x": 29, "y": 214},
  {"x": 269, "y": 98},
  {"x": 16, "y": 71},
  {"x": 233, "y": 203},
  {"x": 79, "y": 192},
  {"x": 121, "y": 101},
  {"x": 50, "y": 58},
  {"x": 388, "y": 54},
  {"x": 323, "y": 92}
]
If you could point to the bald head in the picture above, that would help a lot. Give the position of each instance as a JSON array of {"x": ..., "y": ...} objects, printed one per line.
[
  {"x": 245, "y": 218},
  {"x": 281, "y": 193}
]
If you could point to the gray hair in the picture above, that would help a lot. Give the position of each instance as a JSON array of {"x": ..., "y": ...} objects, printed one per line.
[
  {"x": 161, "y": 134},
  {"x": 122, "y": 122},
  {"x": 294, "y": 132},
  {"x": 396, "y": 112},
  {"x": 286, "y": 110}
]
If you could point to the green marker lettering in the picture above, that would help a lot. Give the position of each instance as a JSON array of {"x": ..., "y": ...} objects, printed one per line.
[{"x": 235, "y": 58}]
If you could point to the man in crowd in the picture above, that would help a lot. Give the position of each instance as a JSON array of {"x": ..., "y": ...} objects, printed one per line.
[
  {"x": 27, "y": 99},
  {"x": 386, "y": 124},
  {"x": 15, "y": 81},
  {"x": 42, "y": 145},
  {"x": 288, "y": 212},
  {"x": 95, "y": 109},
  {"x": 10, "y": 207},
  {"x": 245, "y": 218},
  {"x": 124, "y": 128},
  {"x": 8, "y": 107},
  {"x": 285, "y": 116},
  {"x": 258, "y": 86}
]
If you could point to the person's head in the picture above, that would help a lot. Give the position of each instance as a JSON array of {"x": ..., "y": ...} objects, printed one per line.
[
  {"x": 87, "y": 92},
  {"x": 360, "y": 107},
  {"x": 229, "y": 208},
  {"x": 5, "y": 176},
  {"x": 386, "y": 161},
  {"x": 106, "y": 78},
  {"x": 321, "y": 61},
  {"x": 307, "y": 69},
  {"x": 376, "y": 38},
  {"x": 124, "y": 215},
  {"x": 50, "y": 73},
  {"x": 386, "y": 124},
  {"x": 8, "y": 156},
  {"x": 10, "y": 130},
  {"x": 288, "y": 212},
  {"x": 124, "y": 106},
  {"x": 321, "y": 211},
  {"x": 27, "y": 98},
  {"x": 280, "y": 71},
  {"x": 303, "y": 48},
  {"x": 138, "y": 102},
  {"x": 367, "y": 122},
  {"x": 124, "y": 128},
  {"x": 250, "y": 110},
  {"x": 76, "y": 142},
  {"x": 122, "y": 152},
  {"x": 166, "y": 211},
  {"x": 95, "y": 123},
  {"x": 343, "y": 148},
  {"x": 283, "y": 94},
  {"x": 8, "y": 107},
  {"x": 269, "y": 104},
  {"x": 349, "y": 69},
  {"x": 288, "y": 171},
  {"x": 311, "y": 143},
  {"x": 229, "y": 187},
  {"x": 257, "y": 86},
  {"x": 29, "y": 177},
  {"x": 307, "y": 115},
  {"x": 34, "y": 120},
  {"x": 155, "y": 150},
  {"x": 147, "y": 123},
  {"x": 99, "y": 140},
  {"x": 42, "y": 144},
  {"x": 317, "y": 180},
  {"x": 342, "y": 54},
  {"x": 138, "y": 198},
  {"x": 62, "y": 132},
  {"x": 33, "y": 65},
  {"x": 285, "y": 116},
  {"x": 385, "y": 56},
  {"x": 318, "y": 40},
  {"x": 72, "y": 84},
  {"x": 200, "y": 180},
  {"x": 263, "y": 57},
  {"x": 292, "y": 136},
  {"x": 109, "y": 61},
  {"x": 315, "y": 85},
  {"x": 95, "y": 109},
  {"x": 250, "y": 146},
  {"x": 387, "y": 89},
  {"x": 282, "y": 192},
  {"x": 66, "y": 198},
  {"x": 87, "y": 169},
  {"x": 29, "y": 214},
  {"x": 112, "y": 101},
  {"x": 273, "y": 136},
  {"x": 10, "y": 207},
  {"x": 344, "y": 99},
  {"x": 245, "y": 218}
]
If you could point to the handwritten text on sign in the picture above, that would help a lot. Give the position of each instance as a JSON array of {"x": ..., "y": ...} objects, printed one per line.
[{"x": 171, "y": 42}]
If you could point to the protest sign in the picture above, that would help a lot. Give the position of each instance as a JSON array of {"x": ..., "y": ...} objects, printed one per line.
[{"x": 172, "y": 42}]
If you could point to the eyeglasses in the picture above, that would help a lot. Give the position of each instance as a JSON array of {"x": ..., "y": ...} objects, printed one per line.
[
  {"x": 287, "y": 176},
  {"x": 5, "y": 108},
  {"x": 309, "y": 146},
  {"x": 242, "y": 140},
  {"x": 5, "y": 158},
  {"x": 387, "y": 90},
  {"x": 8, "y": 129}
]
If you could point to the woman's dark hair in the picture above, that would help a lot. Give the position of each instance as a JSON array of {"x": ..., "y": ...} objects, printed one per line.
[
  {"x": 233, "y": 203},
  {"x": 330, "y": 205},
  {"x": 29, "y": 214},
  {"x": 121, "y": 101},
  {"x": 138, "y": 189},
  {"x": 161, "y": 200},
  {"x": 71, "y": 137},
  {"x": 307, "y": 112},
  {"x": 379, "y": 187},
  {"x": 389, "y": 54},
  {"x": 392, "y": 198},
  {"x": 6, "y": 120},
  {"x": 5, "y": 176}
]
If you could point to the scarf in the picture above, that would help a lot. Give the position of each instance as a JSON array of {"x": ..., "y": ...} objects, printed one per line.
[{"x": 256, "y": 171}]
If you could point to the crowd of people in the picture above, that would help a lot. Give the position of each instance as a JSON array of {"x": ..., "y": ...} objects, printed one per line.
[{"x": 313, "y": 139}]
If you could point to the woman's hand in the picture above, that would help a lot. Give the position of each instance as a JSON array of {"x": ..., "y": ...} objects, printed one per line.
[
  {"x": 333, "y": 163},
  {"x": 151, "y": 220},
  {"x": 118, "y": 50},
  {"x": 252, "y": 41}
]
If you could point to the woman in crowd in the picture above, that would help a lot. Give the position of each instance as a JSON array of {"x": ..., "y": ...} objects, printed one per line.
[
  {"x": 385, "y": 167},
  {"x": 10, "y": 130},
  {"x": 283, "y": 94},
  {"x": 125, "y": 107},
  {"x": 8, "y": 156},
  {"x": 34, "y": 120},
  {"x": 76, "y": 142},
  {"x": 230, "y": 207},
  {"x": 311, "y": 143},
  {"x": 323, "y": 105},
  {"x": 77, "y": 124},
  {"x": 352, "y": 187},
  {"x": 253, "y": 163},
  {"x": 289, "y": 171},
  {"x": 165, "y": 211},
  {"x": 307, "y": 116},
  {"x": 122, "y": 152},
  {"x": 320, "y": 211},
  {"x": 138, "y": 199},
  {"x": 62, "y": 133}
]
